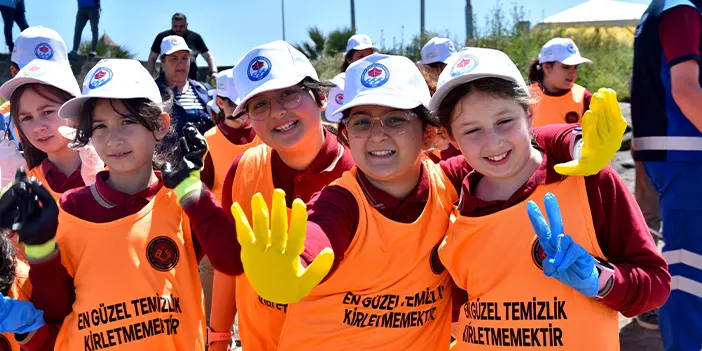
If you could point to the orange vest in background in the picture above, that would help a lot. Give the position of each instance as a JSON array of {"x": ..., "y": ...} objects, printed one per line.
[
  {"x": 223, "y": 153},
  {"x": 21, "y": 289},
  {"x": 558, "y": 109},
  {"x": 38, "y": 172},
  {"x": 260, "y": 321},
  {"x": 390, "y": 292},
  {"x": 136, "y": 281},
  {"x": 511, "y": 303}
]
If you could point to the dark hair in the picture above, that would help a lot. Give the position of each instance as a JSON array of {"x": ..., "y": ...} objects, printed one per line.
[
  {"x": 495, "y": 87},
  {"x": 429, "y": 77},
  {"x": 425, "y": 115},
  {"x": 347, "y": 57},
  {"x": 317, "y": 88},
  {"x": 144, "y": 111},
  {"x": 536, "y": 70},
  {"x": 33, "y": 156},
  {"x": 8, "y": 262},
  {"x": 179, "y": 17}
]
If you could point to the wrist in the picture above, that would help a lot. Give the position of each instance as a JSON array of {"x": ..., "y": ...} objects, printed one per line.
[
  {"x": 40, "y": 251},
  {"x": 188, "y": 187},
  {"x": 605, "y": 282},
  {"x": 215, "y": 337}
]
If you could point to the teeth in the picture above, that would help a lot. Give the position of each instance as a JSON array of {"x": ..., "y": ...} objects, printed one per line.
[
  {"x": 285, "y": 127},
  {"x": 498, "y": 157},
  {"x": 382, "y": 153}
]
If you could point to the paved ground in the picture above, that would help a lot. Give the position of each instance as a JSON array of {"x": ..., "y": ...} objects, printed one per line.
[{"x": 632, "y": 336}]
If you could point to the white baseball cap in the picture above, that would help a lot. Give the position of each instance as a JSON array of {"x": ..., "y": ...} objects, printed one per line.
[
  {"x": 57, "y": 74},
  {"x": 335, "y": 98},
  {"x": 359, "y": 42},
  {"x": 114, "y": 79},
  {"x": 437, "y": 50},
  {"x": 271, "y": 66},
  {"x": 384, "y": 80},
  {"x": 226, "y": 86},
  {"x": 471, "y": 64},
  {"x": 212, "y": 105},
  {"x": 562, "y": 50},
  {"x": 38, "y": 43},
  {"x": 173, "y": 43}
]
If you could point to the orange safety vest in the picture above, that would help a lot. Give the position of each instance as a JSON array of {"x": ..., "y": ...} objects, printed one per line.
[
  {"x": 260, "y": 320},
  {"x": 38, "y": 172},
  {"x": 223, "y": 153},
  {"x": 558, "y": 109},
  {"x": 511, "y": 303},
  {"x": 136, "y": 281},
  {"x": 390, "y": 292},
  {"x": 21, "y": 289}
]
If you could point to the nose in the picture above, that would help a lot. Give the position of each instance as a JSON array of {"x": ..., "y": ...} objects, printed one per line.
[
  {"x": 115, "y": 139},
  {"x": 377, "y": 133},
  {"x": 39, "y": 127},
  {"x": 277, "y": 110},
  {"x": 493, "y": 140}
]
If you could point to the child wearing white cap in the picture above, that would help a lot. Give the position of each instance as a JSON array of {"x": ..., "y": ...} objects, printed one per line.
[
  {"x": 122, "y": 244},
  {"x": 436, "y": 53},
  {"x": 335, "y": 98},
  {"x": 604, "y": 262},
  {"x": 552, "y": 75},
  {"x": 357, "y": 47},
  {"x": 281, "y": 94}
]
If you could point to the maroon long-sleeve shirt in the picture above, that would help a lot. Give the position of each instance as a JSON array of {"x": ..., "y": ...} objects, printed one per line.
[{"x": 236, "y": 136}]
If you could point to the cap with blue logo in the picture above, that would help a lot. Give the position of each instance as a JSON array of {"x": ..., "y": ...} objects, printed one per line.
[
  {"x": 173, "y": 43},
  {"x": 114, "y": 79},
  {"x": 359, "y": 42},
  {"x": 437, "y": 50},
  {"x": 271, "y": 66},
  {"x": 471, "y": 64},
  {"x": 335, "y": 98},
  {"x": 384, "y": 80},
  {"x": 562, "y": 50},
  {"x": 38, "y": 43},
  {"x": 56, "y": 74},
  {"x": 225, "y": 85}
]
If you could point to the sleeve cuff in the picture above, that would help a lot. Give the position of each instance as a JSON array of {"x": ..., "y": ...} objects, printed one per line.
[{"x": 690, "y": 57}]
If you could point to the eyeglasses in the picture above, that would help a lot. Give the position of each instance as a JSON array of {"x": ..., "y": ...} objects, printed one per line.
[
  {"x": 393, "y": 122},
  {"x": 259, "y": 109}
]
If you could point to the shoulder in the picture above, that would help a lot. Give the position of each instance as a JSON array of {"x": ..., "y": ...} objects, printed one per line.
[{"x": 72, "y": 200}]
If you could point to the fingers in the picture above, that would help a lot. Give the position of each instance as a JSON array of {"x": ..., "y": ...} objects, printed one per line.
[
  {"x": 183, "y": 144},
  {"x": 570, "y": 168},
  {"x": 244, "y": 234},
  {"x": 590, "y": 137},
  {"x": 20, "y": 175},
  {"x": 538, "y": 222},
  {"x": 279, "y": 221},
  {"x": 318, "y": 269},
  {"x": 47, "y": 201},
  {"x": 261, "y": 222},
  {"x": 553, "y": 211},
  {"x": 298, "y": 229}
]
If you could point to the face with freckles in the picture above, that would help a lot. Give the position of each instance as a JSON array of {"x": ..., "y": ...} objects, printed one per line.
[
  {"x": 387, "y": 153},
  {"x": 286, "y": 129},
  {"x": 493, "y": 134}
]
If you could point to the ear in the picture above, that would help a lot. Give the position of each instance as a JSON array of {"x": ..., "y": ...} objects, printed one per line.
[
  {"x": 429, "y": 138},
  {"x": 13, "y": 70},
  {"x": 164, "y": 125},
  {"x": 219, "y": 102},
  {"x": 322, "y": 102}
]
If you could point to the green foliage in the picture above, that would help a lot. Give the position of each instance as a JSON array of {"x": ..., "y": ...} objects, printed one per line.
[
  {"x": 105, "y": 50},
  {"x": 322, "y": 46}
]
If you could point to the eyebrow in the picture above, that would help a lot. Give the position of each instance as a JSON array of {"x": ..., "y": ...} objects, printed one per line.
[{"x": 42, "y": 107}]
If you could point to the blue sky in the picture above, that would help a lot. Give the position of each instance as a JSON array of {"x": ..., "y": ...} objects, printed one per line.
[{"x": 231, "y": 27}]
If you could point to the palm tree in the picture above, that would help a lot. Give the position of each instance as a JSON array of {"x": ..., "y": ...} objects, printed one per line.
[
  {"x": 315, "y": 50},
  {"x": 106, "y": 48},
  {"x": 337, "y": 39},
  {"x": 325, "y": 45}
]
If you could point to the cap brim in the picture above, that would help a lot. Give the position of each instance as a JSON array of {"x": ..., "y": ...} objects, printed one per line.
[
  {"x": 72, "y": 107},
  {"x": 361, "y": 47},
  {"x": 442, "y": 91},
  {"x": 273, "y": 84},
  {"x": 176, "y": 49},
  {"x": 575, "y": 60},
  {"x": 386, "y": 100},
  {"x": 9, "y": 87}
]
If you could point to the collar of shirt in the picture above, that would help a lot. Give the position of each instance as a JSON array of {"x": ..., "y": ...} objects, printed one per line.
[
  {"x": 471, "y": 206},
  {"x": 382, "y": 200},
  {"x": 237, "y": 136},
  {"x": 58, "y": 181},
  {"x": 115, "y": 198},
  {"x": 551, "y": 93},
  {"x": 325, "y": 161}
]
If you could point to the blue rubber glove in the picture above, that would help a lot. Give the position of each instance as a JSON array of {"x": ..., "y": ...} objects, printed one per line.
[
  {"x": 18, "y": 316},
  {"x": 565, "y": 259}
]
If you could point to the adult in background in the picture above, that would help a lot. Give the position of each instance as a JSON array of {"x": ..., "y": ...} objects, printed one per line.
[
  {"x": 191, "y": 96},
  {"x": 179, "y": 26},
  {"x": 87, "y": 10},
  {"x": 358, "y": 47},
  {"x": 12, "y": 11},
  {"x": 666, "y": 111}
]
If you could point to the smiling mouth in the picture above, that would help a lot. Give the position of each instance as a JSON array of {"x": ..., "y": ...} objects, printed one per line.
[
  {"x": 382, "y": 153},
  {"x": 120, "y": 155},
  {"x": 286, "y": 127},
  {"x": 43, "y": 139}
]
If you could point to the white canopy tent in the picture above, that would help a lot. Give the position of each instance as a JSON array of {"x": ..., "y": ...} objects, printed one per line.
[{"x": 597, "y": 13}]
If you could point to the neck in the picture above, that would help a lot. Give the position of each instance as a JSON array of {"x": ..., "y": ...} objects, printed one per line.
[
  {"x": 66, "y": 160},
  {"x": 501, "y": 189},
  {"x": 298, "y": 160},
  {"x": 180, "y": 85},
  {"x": 549, "y": 87},
  {"x": 402, "y": 187},
  {"x": 132, "y": 182}
]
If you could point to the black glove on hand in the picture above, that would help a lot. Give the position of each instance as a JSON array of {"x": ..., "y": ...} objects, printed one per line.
[
  {"x": 193, "y": 147},
  {"x": 30, "y": 210}
]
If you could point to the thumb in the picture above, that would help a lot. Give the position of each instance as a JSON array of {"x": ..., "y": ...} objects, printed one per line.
[
  {"x": 318, "y": 269},
  {"x": 571, "y": 168}
]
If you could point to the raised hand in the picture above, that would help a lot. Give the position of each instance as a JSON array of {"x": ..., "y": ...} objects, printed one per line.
[
  {"x": 565, "y": 259},
  {"x": 271, "y": 254},
  {"x": 18, "y": 316},
  {"x": 185, "y": 178},
  {"x": 603, "y": 129}
]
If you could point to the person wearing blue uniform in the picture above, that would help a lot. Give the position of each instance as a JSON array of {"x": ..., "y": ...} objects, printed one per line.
[{"x": 666, "y": 106}]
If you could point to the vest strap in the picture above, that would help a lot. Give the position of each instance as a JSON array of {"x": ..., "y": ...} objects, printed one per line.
[{"x": 668, "y": 143}]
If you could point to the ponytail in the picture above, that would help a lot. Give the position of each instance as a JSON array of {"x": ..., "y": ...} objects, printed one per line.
[{"x": 536, "y": 72}]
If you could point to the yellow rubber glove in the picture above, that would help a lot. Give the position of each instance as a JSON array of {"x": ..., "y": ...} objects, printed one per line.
[
  {"x": 603, "y": 130},
  {"x": 271, "y": 256}
]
